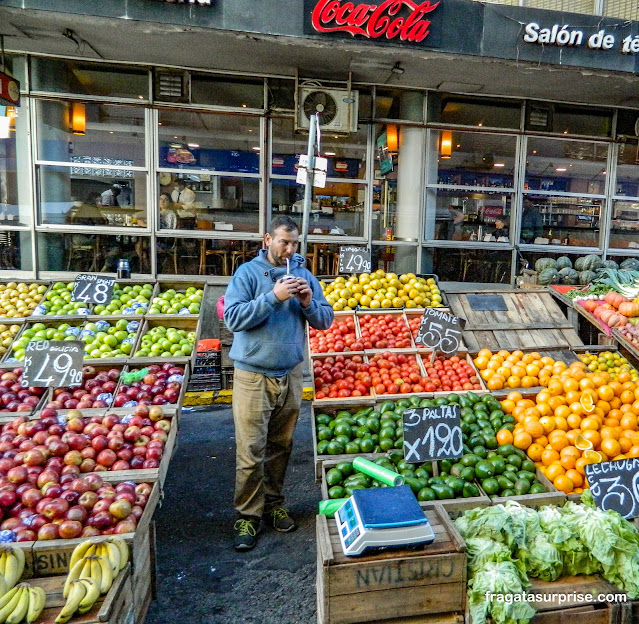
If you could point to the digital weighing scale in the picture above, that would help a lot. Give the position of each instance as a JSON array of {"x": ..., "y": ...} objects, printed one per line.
[{"x": 382, "y": 518}]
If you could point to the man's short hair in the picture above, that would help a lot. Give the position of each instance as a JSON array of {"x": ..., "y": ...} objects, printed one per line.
[{"x": 286, "y": 222}]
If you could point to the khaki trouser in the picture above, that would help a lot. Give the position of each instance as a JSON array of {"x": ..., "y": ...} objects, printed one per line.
[{"x": 265, "y": 411}]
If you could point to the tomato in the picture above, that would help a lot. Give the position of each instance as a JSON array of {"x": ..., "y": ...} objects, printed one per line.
[
  {"x": 380, "y": 388},
  {"x": 405, "y": 388}
]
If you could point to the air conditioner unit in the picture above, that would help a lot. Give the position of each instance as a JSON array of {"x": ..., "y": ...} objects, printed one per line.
[{"x": 337, "y": 108}]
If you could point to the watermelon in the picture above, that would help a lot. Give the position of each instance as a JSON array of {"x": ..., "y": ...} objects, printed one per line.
[
  {"x": 563, "y": 263},
  {"x": 585, "y": 277},
  {"x": 592, "y": 263},
  {"x": 569, "y": 276},
  {"x": 548, "y": 276},
  {"x": 545, "y": 263}
]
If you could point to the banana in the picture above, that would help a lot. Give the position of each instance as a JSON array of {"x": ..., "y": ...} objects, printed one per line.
[
  {"x": 97, "y": 571},
  {"x": 3, "y": 586},
  {"x": 123, "y": 548},
  {"x": 7, "y": 597},
  {"x": 19, "y": 613},
  {"x": 3, "y": 561},
  {"x": 37, "y": 598},
  {"x": 14, "y": 566},
  {"x": 91, "y": 596},
  {"x": 80, "y": 552},
  {"x": 112, "y": 552},
  {"x": 11, "y": 604},
  {"x": 76, "y": 594},
  {"x": 74, "y": 573},
  {"x": 107, "y": 574},
  {"x": 19, "y": 555}
]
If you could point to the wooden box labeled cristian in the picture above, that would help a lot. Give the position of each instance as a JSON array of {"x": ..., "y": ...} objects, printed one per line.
[{"x": 379, "y": 585}]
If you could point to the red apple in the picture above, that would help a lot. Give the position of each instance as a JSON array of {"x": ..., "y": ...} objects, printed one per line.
[
  {"x": 48, "y": 531},
  {"x": 106, "y": 458}
]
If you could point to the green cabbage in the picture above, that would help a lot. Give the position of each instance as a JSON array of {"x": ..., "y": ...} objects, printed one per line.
[
  {"x": 482, "y": 550},
  {"x": 542, "y": 558}
]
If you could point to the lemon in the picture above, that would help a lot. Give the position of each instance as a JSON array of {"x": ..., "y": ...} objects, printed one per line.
[
  {"x": 352, "y": 302},
  {"x": 375, "y": 304},
  {"x": 365, "y": 300},
  {"x": 386, "y": 303}
]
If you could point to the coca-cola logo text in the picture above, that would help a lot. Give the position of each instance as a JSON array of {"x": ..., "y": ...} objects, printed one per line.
[{"x": 374, "y": 21}]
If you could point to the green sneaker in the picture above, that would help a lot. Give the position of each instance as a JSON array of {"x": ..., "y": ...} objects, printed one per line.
[
  {"x": 246, "y": 534},
  {"x": 280, "y": 520}
]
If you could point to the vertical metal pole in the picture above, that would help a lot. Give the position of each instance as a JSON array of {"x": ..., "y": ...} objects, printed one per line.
[{"x": 308, "y": 189}]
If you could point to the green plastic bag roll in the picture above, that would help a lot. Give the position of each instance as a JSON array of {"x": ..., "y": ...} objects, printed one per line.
[
  {"x": 377, "y": 472},
  {"x": 330, "y": 507}
]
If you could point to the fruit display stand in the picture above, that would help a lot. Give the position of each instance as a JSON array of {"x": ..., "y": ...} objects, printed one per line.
[
  {"x": 421, "y": 581},
  {"x": 163, "y": 286},
  {"x": 116, "y": 607},
  {"x": 186, "y": 323},
  {"x": 532, "y": 320}
]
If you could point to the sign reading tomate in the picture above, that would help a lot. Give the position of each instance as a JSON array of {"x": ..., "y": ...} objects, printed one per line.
[{"x": 392, "y": 19}]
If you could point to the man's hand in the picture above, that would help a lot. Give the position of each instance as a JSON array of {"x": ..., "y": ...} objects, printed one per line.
[
  {"x": 285, "y": 290},
  {"x": 304, "y": 292}
]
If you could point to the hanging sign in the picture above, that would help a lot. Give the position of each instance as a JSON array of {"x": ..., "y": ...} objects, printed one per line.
[
  {"x": 432, "y": 433},
  {"x": 9, "y": 90},
  {"x": 53, "y": 363},
  {"x": 319, "y": 173},
  {"x": 440, "y": 331}
]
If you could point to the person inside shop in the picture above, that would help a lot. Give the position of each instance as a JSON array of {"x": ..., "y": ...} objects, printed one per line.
[
  {"x": 110, "y": 196},
  {"x": 168, "y": 216},
  {"x": 268, "y": 315},
  {"x": 531, "y": 222},
  {"x": 501, "y": 227},
  {"x": 455, "y": 223},
  {"x": 88, "y": 214},
  {"x": 182, "y": 194}
]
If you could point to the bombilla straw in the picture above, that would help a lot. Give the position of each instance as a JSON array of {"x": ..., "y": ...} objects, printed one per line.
[{"x": 288, "y": 265}]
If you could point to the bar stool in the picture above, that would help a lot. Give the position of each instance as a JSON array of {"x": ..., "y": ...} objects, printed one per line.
[
  {"x": 221, "y": 255},
  {"x": 312, "y": 260},
  {"x": 473, "y": 263}
]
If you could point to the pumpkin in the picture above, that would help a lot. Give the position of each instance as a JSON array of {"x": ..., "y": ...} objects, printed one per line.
[
  {"x": 545, "y": 263},
  {"x": 585, "y": 277},
  {"x": 609, "y": 264},
  {"x": 616, "y": 320},
  {"x": 631, "y": 264},
  {"x": 590, "y": 305},
  {"x": 579, "y": 264},
  {"x": 605, "y": 315},
  {"x": 615, "y": 299},
  {"x": 563, "y": 263},
  {"x": 548, "y": 276},
  {"x": 569, "y": 276},
  {"x": 591, "y": 263},
  {"x": 628, "y": 308}
]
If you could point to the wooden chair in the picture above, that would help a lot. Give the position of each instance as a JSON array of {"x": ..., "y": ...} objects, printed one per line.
[
  {"x": 84, "y": 253},
  {"x": 170, "y": 252},
  {"x": 218, "y": 255}
]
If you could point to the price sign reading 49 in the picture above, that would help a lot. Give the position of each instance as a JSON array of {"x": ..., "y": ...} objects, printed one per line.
[
  {"x": 440, "y": 331},
  {"x": 92, "y": 289},
  {"x": 53, "y": 363},
  {"x": 354, "y": 260},
  {"x": 432, "y": 433}
]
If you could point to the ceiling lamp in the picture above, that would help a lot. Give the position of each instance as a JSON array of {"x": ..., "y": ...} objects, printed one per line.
[
  {"x": 392, "y": 137},
  {"x": 446, "y": 148},
  {"x": 78, "y": 118}
]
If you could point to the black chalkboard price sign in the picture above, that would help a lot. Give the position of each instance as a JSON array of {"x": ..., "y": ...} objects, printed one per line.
[
  {"x": 92, "y": 288},
  {"x": 354, "y": 260},
  {"x": 440, "y": 331},
  {"x": 432, "y": 433},
  {"x": 53, "y": 363},
  {"x": 615, "y": 485}
]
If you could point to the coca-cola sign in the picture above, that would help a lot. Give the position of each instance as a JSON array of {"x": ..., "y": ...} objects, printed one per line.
[{"x": 403, "y": 20}]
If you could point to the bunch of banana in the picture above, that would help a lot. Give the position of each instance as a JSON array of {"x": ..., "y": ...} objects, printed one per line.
[
  {"x": 92, "y": 569},
  {"x": 22, "y": 603},
  {"x": 11, "y": 566}
]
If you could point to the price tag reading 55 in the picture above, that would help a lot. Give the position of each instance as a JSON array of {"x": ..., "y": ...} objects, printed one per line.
[
  {"x": 53, "y": 363},
  {"x": 432, "y": 433},
  {"x": 440, "y": 331}
]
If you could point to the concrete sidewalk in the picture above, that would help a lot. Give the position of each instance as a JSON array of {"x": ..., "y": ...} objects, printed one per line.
[{"x": 201, "y": 579}]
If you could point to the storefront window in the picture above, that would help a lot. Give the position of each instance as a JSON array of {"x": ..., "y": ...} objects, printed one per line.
[
  {"x": 91, "y": 196},
  {"x": 15, "y": 203},
  {"x": 559, "y": 220},
  {"x": 15, "y": 251},
  {"x": 90, "y": 133},
  {"x": 566, "y": 119},
  {"x": 226, "y": 91},
  {"x": 624, "y": 227},
  {"x": 79, "y": 252},
  {"x": 468, "y": 265},
  {"x": 395, "y": 258},
  {"x": 208, "y": 202},
  {"x": 229, "y": 143},
  {"x": 337, "y": 209},
  {"x": 484, "y": 113},
  {"x": 323, "y": 259},
  {"x": 204, "y": 256},
  {"x": 566, "y": 166},
  {"x": 67, "y": 76},
  {"x": 468, "y": 216},
  {"x": 399, "y": 104}
]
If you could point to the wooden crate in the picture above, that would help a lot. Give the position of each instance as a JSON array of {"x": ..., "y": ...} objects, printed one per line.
[
  {"x": 532, "y": 320},
  {"x": 456, "y": 507},
  {"x": 369, "y": 399},
  {"x": 372, "y": 587},
  {"x": 189, "y": 323},
  {"x": 116, "y": 607}
]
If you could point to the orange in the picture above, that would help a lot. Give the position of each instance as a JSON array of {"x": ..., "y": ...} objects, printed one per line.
[
  {"x": 542, "y": 397},
  {"x": 575, "y": 477},
  {"x": 555, "y": 388},
  {"x": 543, "y": 440},
  {"x": 532, "y": 370},
  {"x": 526, "y": 403},
  {"x": 572, "y": 435},
  {"x": 556, "y": 401},
  {"x": 563, "y": 411},
  {"x": 507, "y": 406},
  {"x": 559, "y": 442},
  {"x": 617, "y": 388},
  {"x": 547, "y": 361},
  {"x": 518, "y": 371},
  {"x": 623, "y": 376},
  {"x": 513, "y": 382},
  {"x": 563, "y": 484},
  {"x": 496, "y": 382},
  {"x": 518, "y": 354},
  {"x": 604, "y": 406},
  {"x": 627, "y": 396},
  {"x": 571, "y": 385},
  {"x": 600, "y": 379},
  {"x": 548, "y": 423},
  {"x": 574, "y": 420},
  {"x": 544, "y": 409},
  {"x": 579, "y": 465},
  {"x": 629, "y": 421},
  {"x": 561, "y": 423},
  {"x": 608, "y": 432},
  {"x": 606, "y": 393},
  {"x": 534, "y": 428},
  {"x": 481, "y": 362},
  {"x": 486, "y": 353},
  {"x": 568, "y": 461},
  {"x": 522, "y": 439},
  {"x": 589, "y": 423},
  {"x": 514, "y": 397},
  {"x": 532, "y": 412},
  {"x": 572, "y": 397},
  {"x": 555, "y": 470},
  {"x": 586, "y": 383},
  {"x": 570, "y": 450},
  {"x": 625, "y": 444},
  {"x": 504, "y": 371},
  {"x": 610, "y": 447},
  {"x": 592, "y": 436},
  {"x": 504, "y": 437},
  {"x": 529, "y": 382},
  {"x": 535, "y": 451},
  {"x": 633, "y": 452},
  {"x": 549, "y": 456}
]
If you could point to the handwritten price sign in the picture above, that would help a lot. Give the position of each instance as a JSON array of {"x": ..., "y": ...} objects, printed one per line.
[
  {"x": 53, "y": 363},
  {"x": 92, "y": 289},
  {"x": 440, "y": 331},
  {"x": 615, "y": 485},
  {"x": 354, "y": 260},
  {"x": 432, "y": 433}
]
